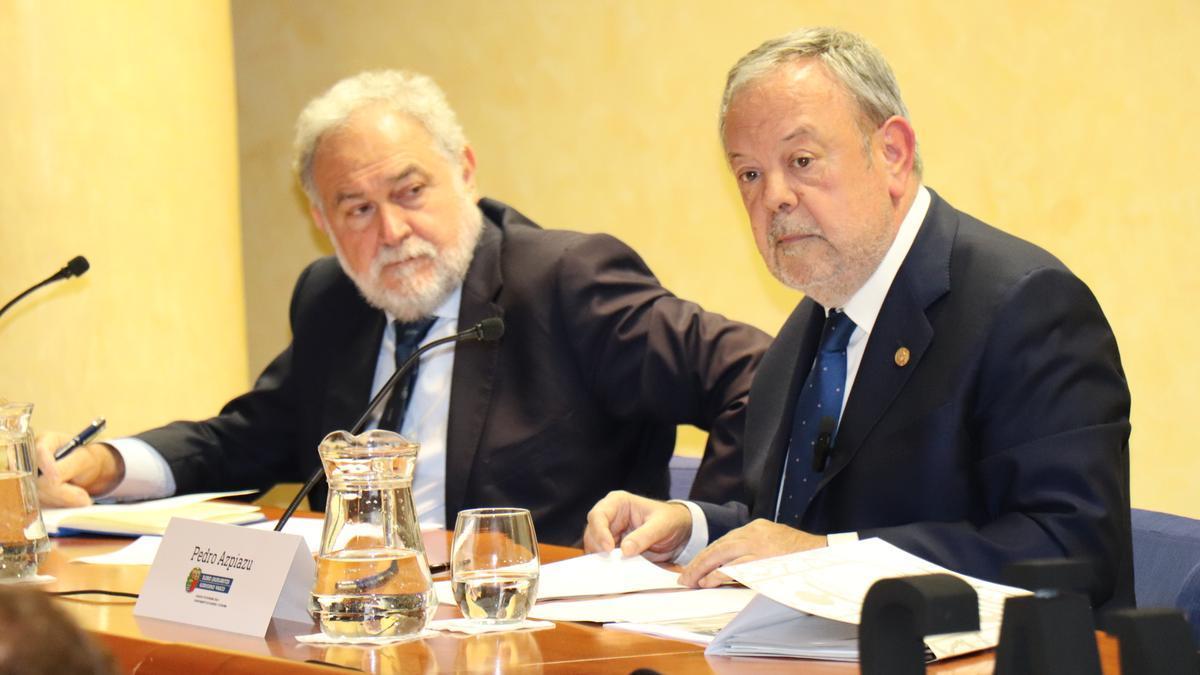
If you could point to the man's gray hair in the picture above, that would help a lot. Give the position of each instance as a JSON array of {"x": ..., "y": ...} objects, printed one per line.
[
  {"x": 412, "y": 94},
  {"x": 853, "y": 61}
]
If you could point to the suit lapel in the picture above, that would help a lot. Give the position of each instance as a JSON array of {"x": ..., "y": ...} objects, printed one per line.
[
  {"x": 473, "y": 379},
  {"x": 902, "y": 324},
  {"x": 776, "y": 387}
]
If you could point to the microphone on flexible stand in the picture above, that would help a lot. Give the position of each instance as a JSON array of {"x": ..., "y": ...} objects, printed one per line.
[
  {"x": 76, "y": 267},
  {"x": 488, "y": 330}
]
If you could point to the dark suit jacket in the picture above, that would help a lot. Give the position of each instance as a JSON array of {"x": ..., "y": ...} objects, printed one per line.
[
  {"x": 597, "y": 365},
  {"x": 1005, "y": 437}
]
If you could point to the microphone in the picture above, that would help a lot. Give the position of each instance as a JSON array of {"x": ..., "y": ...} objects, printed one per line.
[
  {"x": 824, "y": 446},
  {"x": 76, "y": 267},
  {"x": 488, "y": 330}
]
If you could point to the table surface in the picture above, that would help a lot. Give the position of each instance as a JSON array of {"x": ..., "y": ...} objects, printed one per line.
[{"x": 153, "y": 646}]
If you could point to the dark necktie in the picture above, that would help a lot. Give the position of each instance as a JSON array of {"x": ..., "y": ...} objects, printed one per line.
[
  {"x": 817, "y": 411},
  {"x": 408, "y": 337}
]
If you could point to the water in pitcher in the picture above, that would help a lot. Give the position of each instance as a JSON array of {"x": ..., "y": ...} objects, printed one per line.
[
  {"x": 372, "y": 593},
  {"x": 23, "y": 538}
]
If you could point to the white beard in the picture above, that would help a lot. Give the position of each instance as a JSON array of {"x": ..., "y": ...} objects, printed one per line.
[{"x": 418, "y": 295}]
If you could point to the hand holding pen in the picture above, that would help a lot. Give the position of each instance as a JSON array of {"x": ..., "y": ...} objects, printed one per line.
[
  {"x": 81, "y": 438},
  {"x": 71, "y": 478}
]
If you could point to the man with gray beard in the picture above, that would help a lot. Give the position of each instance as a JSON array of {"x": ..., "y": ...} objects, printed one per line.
[
  {"x": 597, "y": 366},
  {"x": 943, "y": 386}
]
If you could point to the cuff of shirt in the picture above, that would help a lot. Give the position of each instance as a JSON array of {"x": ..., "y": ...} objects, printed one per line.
[
  {"x": 147, "y": 475},
  {"x": 699, "y": 538},
  {"x": 839, "y": 538}
]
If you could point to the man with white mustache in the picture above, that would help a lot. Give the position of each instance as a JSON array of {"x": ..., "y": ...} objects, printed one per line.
[
  {"x": 944, "y": 386},
  {"x": 597, "y": 366}
]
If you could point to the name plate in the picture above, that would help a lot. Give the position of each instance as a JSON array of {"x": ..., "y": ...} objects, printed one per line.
[{"x": 228, "y": 577}]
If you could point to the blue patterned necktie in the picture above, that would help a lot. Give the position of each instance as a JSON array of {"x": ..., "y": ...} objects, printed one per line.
[
  {"x": 817, "y": 411},
  {"x": 408, "y": 337}
]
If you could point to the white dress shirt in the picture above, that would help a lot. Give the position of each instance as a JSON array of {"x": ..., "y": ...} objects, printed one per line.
[
  {"x": 863, "y": 309},
  {"x": 147, "y": 475}
]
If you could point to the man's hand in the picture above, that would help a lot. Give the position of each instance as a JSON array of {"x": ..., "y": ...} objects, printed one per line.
[
  {"x": 640, "y": 525},
  {"x": 758, "y": 539},
  {"x": 93, "y": 469}
]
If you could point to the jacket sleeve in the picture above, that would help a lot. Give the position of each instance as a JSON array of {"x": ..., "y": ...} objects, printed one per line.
[{"x": 648, "y": 353}]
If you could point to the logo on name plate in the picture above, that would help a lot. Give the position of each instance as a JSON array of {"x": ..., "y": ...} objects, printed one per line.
[
  {"x": 207, "y": 582},
  {"x": 193, "y": 579}
]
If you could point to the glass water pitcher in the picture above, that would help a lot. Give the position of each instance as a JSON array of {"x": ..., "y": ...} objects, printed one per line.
[
  {"x": 23, "y": 539},
  {"x": 373, "y": 580}
]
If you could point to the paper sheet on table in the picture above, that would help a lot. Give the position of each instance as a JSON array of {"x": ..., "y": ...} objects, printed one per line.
[
  {"x": 53, "y": 518},
  {"x": 767, "y": 628},
  {"x": 700, "y": 630},
  {"x": 832, "y": 582},
  {"x": 646, "y": 607},
  {"x": 140, "y": 552},
  {"x": 309, "y": 528},
  {"x": 143, "y": 549},
  {"x": 590, "y": 575}
]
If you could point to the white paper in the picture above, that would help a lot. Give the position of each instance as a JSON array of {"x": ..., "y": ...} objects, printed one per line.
[
  {"x": 591, "y": 575},
  {"x": 832, "y": 582},
  {"x": 52, "y": 517},
  {"x": 472, "y": 627},
  {"x": 700, "y": 630},
  {"x": 309, "y": 528},
  {"x": 143, "y": 549},
  {"x": 647, "y": 607},
  {"x": 767, "y": 628},
  {"x": 140, "y": 552}
]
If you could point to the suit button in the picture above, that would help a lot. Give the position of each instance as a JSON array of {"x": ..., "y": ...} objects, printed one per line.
[{"x": 902, "y": 356}]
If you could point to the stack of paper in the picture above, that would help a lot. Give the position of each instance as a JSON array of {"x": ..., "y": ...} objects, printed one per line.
[
  {"x": 591, "y": 575},
  {"x": 810, "y": 604},
  {"x": 149, "y": 517}
]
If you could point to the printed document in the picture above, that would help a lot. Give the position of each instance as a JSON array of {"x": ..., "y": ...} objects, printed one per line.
[{"x": 831, "y": 583}]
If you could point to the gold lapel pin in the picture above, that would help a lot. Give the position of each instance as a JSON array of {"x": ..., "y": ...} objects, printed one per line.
[{"x": 902, "y": 356}]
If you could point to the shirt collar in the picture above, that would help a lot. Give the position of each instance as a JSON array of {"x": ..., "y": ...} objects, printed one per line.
[{"x": 863, "y": 307}]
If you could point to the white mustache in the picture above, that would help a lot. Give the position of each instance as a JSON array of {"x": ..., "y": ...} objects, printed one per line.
[
  {"x": 790, "y": 224},
  {"x": 412, "y": 247}
]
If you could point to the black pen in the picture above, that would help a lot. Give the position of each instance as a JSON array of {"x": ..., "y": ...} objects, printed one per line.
[{"x": 81, "y": 438}]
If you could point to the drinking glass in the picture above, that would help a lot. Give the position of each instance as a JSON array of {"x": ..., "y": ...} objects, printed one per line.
[{"x": 494, "y": 564}]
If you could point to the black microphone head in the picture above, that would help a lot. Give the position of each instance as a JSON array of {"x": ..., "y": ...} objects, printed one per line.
[
  {"x": 77, "y": 266},
  {"x": 490, "y": 329}
]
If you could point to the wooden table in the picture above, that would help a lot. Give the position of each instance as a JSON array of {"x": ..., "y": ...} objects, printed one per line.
[{"x": 149, "y": 646}]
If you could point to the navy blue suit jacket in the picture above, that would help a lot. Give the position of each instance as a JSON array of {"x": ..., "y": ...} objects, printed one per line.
[
  {"x": 597, "y": 365},
  {"x": 1004, "y": 437}
]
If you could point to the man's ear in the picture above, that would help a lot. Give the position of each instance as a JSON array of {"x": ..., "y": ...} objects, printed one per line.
[
  {"x": 898, "y": 145},
  {"x": 468, "y": 171},
  {"x": 318, "y": 218}
]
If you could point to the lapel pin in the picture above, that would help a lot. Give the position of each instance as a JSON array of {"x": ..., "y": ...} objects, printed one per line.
[{"x": 902, "y": 356}]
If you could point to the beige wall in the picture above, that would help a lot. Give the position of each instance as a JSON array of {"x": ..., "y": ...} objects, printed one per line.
[
  {"x": 117, "y": 141},
  {"x": 1068, "y": 123}
]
